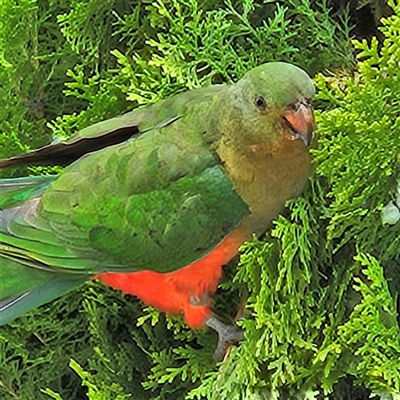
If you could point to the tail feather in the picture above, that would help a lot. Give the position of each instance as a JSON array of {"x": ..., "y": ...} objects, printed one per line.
[
  {"x": 33, "y": 263},
  {"x": 14, "y": 307}
]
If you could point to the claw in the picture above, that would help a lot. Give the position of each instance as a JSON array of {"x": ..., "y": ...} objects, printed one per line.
[{"x": 227, "y": 335}]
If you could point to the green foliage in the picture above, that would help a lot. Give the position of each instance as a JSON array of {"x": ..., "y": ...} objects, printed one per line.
[
  {"x": 366, "y": 117},
  {"x": 35, "y": 352},
  {"x": 320, "y": 309}
]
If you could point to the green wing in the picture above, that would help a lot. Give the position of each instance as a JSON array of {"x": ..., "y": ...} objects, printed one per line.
[{"x": 162, "y": 229}]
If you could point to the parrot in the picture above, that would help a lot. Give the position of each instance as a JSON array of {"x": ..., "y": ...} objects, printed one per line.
[{"x": 156, "y": 201}]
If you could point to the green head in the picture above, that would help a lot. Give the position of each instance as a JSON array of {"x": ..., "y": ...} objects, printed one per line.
[
  {"x": 279, "y": 83},
  {"x": 272, "y": 105}
]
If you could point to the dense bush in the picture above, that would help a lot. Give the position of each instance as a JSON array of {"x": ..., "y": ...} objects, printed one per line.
[{"x": 319, "y": 289}]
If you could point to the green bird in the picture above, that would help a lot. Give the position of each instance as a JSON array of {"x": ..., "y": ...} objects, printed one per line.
[{"x": 156, "y": 201}]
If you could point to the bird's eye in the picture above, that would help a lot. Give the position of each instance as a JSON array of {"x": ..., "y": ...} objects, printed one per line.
[{"x": 260, "y": 103}]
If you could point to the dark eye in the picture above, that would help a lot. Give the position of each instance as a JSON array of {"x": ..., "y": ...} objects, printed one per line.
[{"x": 260, "y": 103}]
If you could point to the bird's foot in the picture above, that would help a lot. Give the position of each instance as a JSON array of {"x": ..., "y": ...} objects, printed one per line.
[{"x": 227, "y": 335}]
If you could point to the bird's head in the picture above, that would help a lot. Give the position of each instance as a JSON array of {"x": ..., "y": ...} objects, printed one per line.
[{"x": 273, "y": 104}]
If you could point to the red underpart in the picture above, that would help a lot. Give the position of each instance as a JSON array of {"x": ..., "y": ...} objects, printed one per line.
[{"x": 176, "y": 292}]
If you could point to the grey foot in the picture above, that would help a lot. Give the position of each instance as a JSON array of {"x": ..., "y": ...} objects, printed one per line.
[{"x": 227, "y": 335}]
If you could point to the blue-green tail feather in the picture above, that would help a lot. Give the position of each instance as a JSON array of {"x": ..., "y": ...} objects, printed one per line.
[
  {"x": 14, "y": 307},
  {"x": 24, "y": 285}
]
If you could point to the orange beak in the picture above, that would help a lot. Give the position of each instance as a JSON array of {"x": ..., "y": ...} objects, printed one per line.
[{"x": 300, "y": 120}]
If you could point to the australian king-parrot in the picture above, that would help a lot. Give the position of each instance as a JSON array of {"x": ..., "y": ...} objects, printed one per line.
[{"x": 156, "y": 201}]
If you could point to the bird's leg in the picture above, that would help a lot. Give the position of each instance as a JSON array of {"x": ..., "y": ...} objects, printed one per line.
[{"x": 227, "y": 335}]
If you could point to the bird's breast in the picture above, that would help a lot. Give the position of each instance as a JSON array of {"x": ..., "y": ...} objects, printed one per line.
[{"x": 266, "y": 180}]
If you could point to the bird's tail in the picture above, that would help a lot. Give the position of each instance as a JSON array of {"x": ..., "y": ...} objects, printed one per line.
[
  {"x": 25, "y": 281},
  {"x": 50, "y": 288}
]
